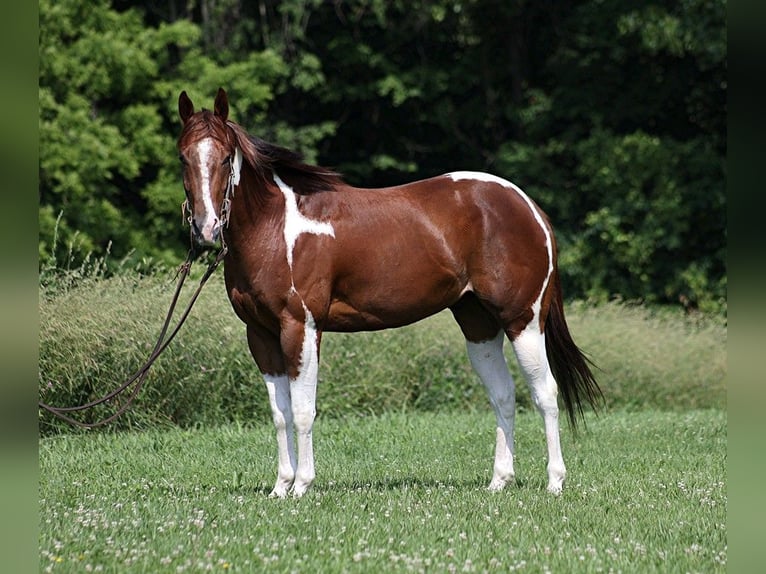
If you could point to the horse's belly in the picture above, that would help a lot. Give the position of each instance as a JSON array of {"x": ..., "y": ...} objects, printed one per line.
[
  {"x": 343, "y": 318},
  {"x": 381, "y": 305}
]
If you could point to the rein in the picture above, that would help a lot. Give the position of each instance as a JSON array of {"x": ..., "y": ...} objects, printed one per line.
[{"x": 162, "y": 343}]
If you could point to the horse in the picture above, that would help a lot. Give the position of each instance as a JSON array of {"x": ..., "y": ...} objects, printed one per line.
[{"x": 306, "y": 253}]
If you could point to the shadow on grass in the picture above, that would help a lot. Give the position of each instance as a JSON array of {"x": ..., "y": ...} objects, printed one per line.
[
  {"x": 391, "y": 484},
  {"x": 383, "y": 484}
]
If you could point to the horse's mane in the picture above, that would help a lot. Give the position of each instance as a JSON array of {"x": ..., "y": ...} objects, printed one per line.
[{"x": 263, "y": 157}]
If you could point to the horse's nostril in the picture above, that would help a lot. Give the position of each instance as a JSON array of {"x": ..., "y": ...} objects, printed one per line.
[
  {"x": 205, "y": 234},
  {"x": 199, "y": 237}
]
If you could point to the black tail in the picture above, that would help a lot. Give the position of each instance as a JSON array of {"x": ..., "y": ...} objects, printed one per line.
[{"x": 571, "y": 368}]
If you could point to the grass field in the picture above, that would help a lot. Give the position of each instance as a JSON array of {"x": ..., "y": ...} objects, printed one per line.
[
  {"x": 646, "y": 492},
  {"x": 404, "y": 445}
]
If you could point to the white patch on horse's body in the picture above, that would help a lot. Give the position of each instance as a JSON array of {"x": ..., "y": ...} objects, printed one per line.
[
  {"x": 303, "y": 391},
  {"x": 210, "y": 220},
  {"x": 296, "y": 223},
  {"x": 309, "y": 357},
  {"x": 479, "y": 176},
  {"x": 488, "y": 177}
]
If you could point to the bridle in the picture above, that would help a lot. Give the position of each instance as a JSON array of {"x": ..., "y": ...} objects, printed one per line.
[
  {"x": 235, "y": 167},
  {"x": 139, "y": 377}
]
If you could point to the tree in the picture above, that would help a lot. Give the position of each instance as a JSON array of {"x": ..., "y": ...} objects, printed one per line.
[
  {"x": 612, "y": 115},
  {"x": 103, "y": 129},
  {"x": 626, "y": 142}
]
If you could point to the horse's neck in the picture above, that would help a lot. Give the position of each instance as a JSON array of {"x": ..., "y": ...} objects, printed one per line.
[{"x": 257, "y": 213}]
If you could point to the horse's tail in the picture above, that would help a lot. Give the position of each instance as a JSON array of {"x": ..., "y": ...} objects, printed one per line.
[{"x": 571, "y": 368}]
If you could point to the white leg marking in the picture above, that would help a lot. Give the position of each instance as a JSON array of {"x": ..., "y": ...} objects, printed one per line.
[
  {"x": 209, "y": 219},
  {"x": 296, "y": 223},
  {"x": 529, "y": 347},
  {"x": 278, "y": 388},
  {"x": 303, "y": 394},
  {"x": 489, "y": 363}
]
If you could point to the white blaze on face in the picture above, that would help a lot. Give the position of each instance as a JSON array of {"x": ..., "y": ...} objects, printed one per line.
[
  {"x": 480, "y": 176},
  {"x": 207, "y": 220},
  {"x": 296, "y": 223}
]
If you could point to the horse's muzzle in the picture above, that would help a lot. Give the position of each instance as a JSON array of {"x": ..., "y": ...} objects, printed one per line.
[{"x": 208, "y": 235}]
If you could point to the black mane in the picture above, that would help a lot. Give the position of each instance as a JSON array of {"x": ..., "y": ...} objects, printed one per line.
[{"x": 289, "y": 165}]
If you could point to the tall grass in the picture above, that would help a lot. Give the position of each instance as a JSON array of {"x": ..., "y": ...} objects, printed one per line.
[{"x": 96, "y": 330}]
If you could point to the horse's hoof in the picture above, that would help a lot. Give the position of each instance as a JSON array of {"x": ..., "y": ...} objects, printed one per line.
[
  {"x": 555, "y": 489},
  {"x": 498, "y": 484},
  {"x": 280, "y": 491}
]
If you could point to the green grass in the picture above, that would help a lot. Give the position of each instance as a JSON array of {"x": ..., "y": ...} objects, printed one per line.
[
  {"x": 94, "y": 332},
  {"x": 646, "y": 492},
  {"x": 404, "y": 444}
]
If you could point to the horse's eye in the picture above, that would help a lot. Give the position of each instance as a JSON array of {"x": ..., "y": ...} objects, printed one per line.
[
  {"x": 227, "y": 160},
  {"x": 182, "y": 159}
]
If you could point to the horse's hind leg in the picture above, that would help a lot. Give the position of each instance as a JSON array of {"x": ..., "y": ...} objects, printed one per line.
[
  {"x": 529, "y": 347},
  {"x": 484, "y": 342},
  {"x": 489, "y": 363}
]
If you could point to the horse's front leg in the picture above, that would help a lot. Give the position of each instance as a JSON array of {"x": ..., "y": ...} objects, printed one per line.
[
  {"x": 278, "y": 388},
  {"x": 267, "y": 352},
  {"x": 300, "y": 343}
]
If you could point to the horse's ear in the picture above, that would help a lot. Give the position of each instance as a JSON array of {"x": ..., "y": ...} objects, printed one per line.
[
  {"x": 221, "y": 105},
  {"x": 185, "y": 107}
]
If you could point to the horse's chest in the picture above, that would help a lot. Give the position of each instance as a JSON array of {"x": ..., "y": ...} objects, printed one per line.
[{"x": 253, "y": 301}]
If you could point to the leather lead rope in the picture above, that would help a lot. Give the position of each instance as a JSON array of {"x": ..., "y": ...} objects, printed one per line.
[{"x": 162, "y": 343}]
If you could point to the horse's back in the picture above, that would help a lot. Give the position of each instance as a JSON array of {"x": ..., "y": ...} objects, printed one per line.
[
  {"x": 479, "y": 216},
  {"x": 406, "y": 252}
]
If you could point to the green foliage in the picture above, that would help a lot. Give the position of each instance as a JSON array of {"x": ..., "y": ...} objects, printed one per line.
[
  {"x": 96, "y": 331},
  {"x": 627, "y": 152},
  {"x": 656, "y": 205},
  {"x": 612, "y": 115},
  {"x": 101, "y": 132}
]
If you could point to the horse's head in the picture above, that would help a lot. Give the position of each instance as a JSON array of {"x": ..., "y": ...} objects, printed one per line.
[{"x": 211, "y": 163}]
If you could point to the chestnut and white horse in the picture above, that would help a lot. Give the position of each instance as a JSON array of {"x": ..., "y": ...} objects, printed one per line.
[{"x": 307, "y": 253}]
